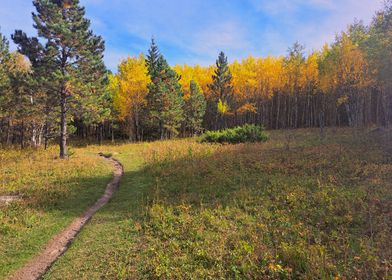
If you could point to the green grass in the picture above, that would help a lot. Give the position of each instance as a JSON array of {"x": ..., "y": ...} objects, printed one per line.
[
  {"x": 54, "y": 192},
  {"x": 292, "y": 208}
]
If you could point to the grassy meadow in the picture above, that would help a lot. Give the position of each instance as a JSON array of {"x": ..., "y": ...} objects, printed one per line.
[
  {"x": 243, "y": 199},
  {"x": 296, "y": 207}
]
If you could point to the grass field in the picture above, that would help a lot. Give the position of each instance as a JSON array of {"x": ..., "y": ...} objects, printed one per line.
[
  {"x": 53, "y": 191},
  {"x": 296, "y": 207}
]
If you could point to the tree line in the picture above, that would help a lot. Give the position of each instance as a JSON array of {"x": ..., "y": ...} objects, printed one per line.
[{"x": 56, "y": 85}]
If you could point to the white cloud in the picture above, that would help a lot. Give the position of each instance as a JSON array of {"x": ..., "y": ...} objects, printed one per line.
[
  {"x": 194, "y": 31},
  {"x": 297, "y": 21}
]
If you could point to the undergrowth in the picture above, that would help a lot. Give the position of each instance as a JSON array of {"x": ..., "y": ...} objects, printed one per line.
[{"x": 241, "y": 134}]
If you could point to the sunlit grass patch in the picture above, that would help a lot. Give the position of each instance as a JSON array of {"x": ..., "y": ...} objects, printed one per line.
[{"x": 52, "y": 193}]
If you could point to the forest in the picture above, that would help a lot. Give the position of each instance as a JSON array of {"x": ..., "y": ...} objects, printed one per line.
[
  {"x": 274, "y": 167},
  {"x": 56, "y": 86}
]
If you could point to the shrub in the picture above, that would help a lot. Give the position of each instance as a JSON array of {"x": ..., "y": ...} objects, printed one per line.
[{"x": 241, "y": 134}]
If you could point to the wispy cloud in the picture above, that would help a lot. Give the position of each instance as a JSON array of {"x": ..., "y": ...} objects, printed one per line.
[
  {"x": 312, "y": 22},
  {"x": 194, "y": 31},
  {"x": 279, "y": 7}
]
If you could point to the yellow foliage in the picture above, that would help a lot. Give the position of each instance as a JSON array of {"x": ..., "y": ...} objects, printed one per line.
[
  {"x": 254, "y": 77},
  {"x": 130, "y": 86},
  {"x": 310, "y": 73},
  {"x": 223, "y": 107},
  {"x": 345, "y": 66},
  {"x": 201, "y": 75}
]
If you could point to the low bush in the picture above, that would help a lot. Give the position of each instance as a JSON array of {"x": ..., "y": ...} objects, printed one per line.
[{"x": 241, "y": 134}]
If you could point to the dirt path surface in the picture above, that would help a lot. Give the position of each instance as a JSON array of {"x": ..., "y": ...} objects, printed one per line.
[{"x": 39, "y": 264}]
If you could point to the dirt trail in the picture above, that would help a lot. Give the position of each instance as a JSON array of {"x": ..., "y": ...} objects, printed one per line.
[{"x": 39, "y": 264}]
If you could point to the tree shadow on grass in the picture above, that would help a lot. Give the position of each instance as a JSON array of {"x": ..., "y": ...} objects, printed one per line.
[
  {"x": 214, "y": 180},
  {"x": 27, "y": 225}
]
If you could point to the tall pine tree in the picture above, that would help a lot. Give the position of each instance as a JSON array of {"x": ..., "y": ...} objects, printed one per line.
[{"x": 75, "y": 75}]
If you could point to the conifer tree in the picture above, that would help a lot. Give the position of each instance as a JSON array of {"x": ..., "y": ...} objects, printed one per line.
[
  {"x": 75, "y": 75},
  {"x": 195, "y": 109},
  {"x": 4, "y": 57},
  {"x": 4, "y": 84},
  {"x": 164, "y": 98},
  {"x": 221, "y": 86},
  {"x": 152, "y": 59}
]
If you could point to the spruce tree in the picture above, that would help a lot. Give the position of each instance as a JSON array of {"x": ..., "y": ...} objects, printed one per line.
[
  {"x": 221, "y": 87},
  {"x": 75, "y": 75},
  {"x": 164, "y": 98},
  {"x": 152, "y": 59},
  {"x": 4, "y": 83},
  {"x": 4, "y": 56},
  {"x": 194, "y": 109}
]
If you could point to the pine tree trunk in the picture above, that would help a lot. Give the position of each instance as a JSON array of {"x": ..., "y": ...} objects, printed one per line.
[{"x": 63, "y": 126}]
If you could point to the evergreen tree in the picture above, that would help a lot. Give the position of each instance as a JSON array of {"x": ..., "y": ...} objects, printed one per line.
[
  {"x": 195, "y": 109},
  {"x": 4, "y": 57},
  {"x": 221, "y": 87},
  {"x": 4, "y": 85},
  {"x": 152, "y": 60},
  {"x": 164, "y": 98},
  {"x": 4, "y": 54},
  {"x": 75, "y": 75}
]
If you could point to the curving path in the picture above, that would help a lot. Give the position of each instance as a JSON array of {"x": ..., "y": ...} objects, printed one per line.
[{"x": 39, "y": 264}]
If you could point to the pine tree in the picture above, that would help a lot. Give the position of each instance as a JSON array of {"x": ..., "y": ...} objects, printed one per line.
[
  {"x": 75, "y": 75},
  {"x": 221, "y": 86},
  {"x": 195, "y": 109}
]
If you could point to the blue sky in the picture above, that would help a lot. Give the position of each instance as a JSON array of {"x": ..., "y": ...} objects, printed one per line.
[{"x": 194, "y": 31}]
